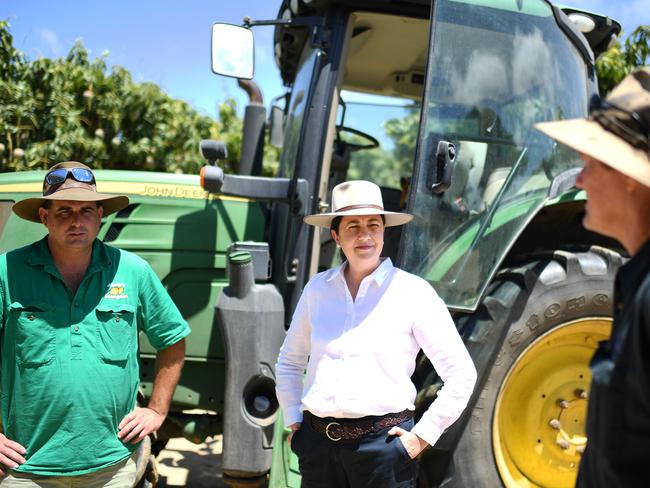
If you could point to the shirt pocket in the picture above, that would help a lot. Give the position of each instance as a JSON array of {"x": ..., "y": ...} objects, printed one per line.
[
  {"x": 115, "y": 331},
  {"x": 34, "y": 333}
]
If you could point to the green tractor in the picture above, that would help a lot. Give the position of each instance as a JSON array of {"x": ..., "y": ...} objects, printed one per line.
[{"x": 435, "y": 101}]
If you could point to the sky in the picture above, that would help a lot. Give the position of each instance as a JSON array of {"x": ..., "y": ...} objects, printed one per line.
[{"x": 168, "y": 42}]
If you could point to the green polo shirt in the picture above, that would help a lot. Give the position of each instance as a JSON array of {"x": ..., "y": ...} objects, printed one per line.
[{"x": 69, "y": 361}]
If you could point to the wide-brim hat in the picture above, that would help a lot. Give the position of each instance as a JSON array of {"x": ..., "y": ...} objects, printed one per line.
[
  {"x": 616, "y": 131},
  {"x": 357, "y": 198},
  {"x": 71, "y": 190}
]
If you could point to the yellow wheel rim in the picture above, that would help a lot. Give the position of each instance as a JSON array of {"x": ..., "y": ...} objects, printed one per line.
[{"x": 538, "y": 430}]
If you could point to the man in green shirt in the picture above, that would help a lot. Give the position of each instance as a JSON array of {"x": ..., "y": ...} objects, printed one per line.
[{"x": 71, "y": 308}]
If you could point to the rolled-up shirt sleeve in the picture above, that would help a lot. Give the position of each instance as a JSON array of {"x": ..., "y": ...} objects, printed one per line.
[
  {"x": 292, "y": 362},
  {"x": 159, "y": 317},
  {"x": 436, "y": 334}
]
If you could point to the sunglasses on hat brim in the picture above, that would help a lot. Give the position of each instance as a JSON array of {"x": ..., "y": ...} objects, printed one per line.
[{"x": 59, "y": 175}]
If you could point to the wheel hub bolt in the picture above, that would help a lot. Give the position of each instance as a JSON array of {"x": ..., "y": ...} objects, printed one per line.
[
  {"x": 555, "y": 424},
  {"x": 563, "y": 403},
  {"x": 563, "y": 443},
  {"x": 580, "y": 393}
]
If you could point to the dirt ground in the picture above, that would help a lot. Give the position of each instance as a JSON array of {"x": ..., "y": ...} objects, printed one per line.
[{"x": 183, "y": 463}]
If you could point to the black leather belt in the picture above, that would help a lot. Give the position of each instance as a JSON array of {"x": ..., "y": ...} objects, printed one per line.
[{"x": 336, "y": 429}]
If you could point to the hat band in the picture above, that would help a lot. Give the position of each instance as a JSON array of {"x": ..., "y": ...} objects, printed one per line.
[
  {"x": 354, "y": 207},
  {"x": 627, "y": 124},
  {"x": 623, "y": 130}
]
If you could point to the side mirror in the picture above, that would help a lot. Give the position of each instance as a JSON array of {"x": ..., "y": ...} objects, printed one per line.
[{"x": 233, "y": 51}]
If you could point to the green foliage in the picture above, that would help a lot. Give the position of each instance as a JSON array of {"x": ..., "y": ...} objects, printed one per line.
[
  {"x": 619, "y": 60},
  {"x": 75, "y": 108},
  {"x": 376, "y": 165},
  {"x": 404, "y": 133},
  {"x": 386, "y": 168}
]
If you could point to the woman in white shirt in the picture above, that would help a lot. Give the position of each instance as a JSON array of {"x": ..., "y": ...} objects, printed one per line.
[{"x": 357, "y": 330}]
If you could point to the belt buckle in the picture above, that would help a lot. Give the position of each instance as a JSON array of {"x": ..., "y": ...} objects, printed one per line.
[{"x": 327, "y": 432}]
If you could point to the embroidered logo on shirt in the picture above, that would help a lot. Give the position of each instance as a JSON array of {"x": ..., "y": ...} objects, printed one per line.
[{"x": 116, "y": 291}]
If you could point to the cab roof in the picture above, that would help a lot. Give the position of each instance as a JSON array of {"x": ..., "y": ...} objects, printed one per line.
[{"x": 290, "y": 40}]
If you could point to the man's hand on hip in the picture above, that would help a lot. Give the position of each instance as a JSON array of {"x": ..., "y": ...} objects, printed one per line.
[
  {"x": 143, "y": 421},
  {"x": 11, "y": 454},
  {"x": 139, "y": 424}
]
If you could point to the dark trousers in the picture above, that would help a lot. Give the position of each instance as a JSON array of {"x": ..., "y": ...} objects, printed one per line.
[{"x": 376, "y": 460}]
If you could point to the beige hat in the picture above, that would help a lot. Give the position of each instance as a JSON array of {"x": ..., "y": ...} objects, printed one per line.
[
  {"x": 617, "y": 130},
  {"x": 69, "y": 181},
  {"x": 357, "y": 198}
]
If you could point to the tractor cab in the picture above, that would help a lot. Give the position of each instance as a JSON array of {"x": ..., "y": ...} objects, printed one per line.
[{"x": 437, "y": 106}]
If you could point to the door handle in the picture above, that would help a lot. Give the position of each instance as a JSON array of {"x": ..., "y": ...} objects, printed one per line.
[{"x": 444, "y": 167}]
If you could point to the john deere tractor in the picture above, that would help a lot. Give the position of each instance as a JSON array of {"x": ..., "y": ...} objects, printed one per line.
[{"x": 435, "y": 101}]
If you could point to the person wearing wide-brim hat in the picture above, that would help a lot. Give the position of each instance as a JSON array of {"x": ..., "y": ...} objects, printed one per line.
[
  {"x": 614, "y": 142},
  {"x": 71, "y": 181},
  {"x": 70, "y": 311},
  {"x": 357, "y": 330}
]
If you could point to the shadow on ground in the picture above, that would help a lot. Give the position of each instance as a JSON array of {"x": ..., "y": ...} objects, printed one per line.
[{"x": 183, "y": 463}]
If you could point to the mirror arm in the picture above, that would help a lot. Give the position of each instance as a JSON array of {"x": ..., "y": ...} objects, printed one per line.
[
  {"x": 269, "y": 189},
  {"x": 313, "y": 21},
  {"x": 258, "y": 188},
  {"x": 320, "y": 36}
]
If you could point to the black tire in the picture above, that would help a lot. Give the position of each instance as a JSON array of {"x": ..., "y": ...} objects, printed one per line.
[{"x": 529, "y": 301}]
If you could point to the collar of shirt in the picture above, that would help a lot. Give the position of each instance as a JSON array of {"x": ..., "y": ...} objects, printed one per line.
[
  {"x": 632, "y": 274},
  {"x": 40, "y": 256},
  {"x": 379, "y": 275},
  {"x": 628, "y": 281}
]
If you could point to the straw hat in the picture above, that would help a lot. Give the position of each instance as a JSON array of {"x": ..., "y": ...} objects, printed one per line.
[
  {"x": 617, "y": 130},
  {"x": 357, "y": 198},
  {"x": 69, "y": 189}
]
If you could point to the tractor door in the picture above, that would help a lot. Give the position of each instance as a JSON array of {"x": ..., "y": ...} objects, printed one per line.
[
  {"x": 495, "y": 68},
  {"x": 308, "y": 112},
  {"x": 372, "y": 132}
]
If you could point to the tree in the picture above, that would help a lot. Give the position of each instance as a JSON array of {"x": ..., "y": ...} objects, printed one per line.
[
  {"x": 620, "y": 59},
  {"x": 75, "y": 108}
]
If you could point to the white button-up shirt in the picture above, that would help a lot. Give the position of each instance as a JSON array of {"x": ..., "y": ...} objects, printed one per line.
[{"x": 360, "y": 354}]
